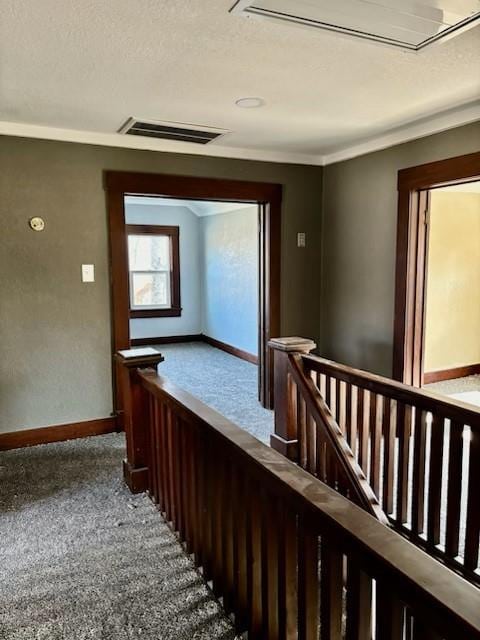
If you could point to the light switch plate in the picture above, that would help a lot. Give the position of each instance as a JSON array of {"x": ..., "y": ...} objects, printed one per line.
[
  {"x": 88, "y": 273},
  {"x": 301, "y": 239}
]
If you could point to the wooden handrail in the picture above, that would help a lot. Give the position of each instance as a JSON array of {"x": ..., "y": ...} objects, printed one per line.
[
  {"x": 407, "y": 441},
  {"x": 426, "y": 400},
  {"x": 362, "y": 493},
  {"x": 275, "y": 541}
]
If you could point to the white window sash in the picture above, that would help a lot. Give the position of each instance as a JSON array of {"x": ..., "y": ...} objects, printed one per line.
[{"x": 135, "y": 307}]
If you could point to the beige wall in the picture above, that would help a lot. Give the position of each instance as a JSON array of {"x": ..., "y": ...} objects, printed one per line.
[
  {"x": 452, "y": 329},
  {"x": 358, "y": 250},
  {"x": 55, "y": 331}
]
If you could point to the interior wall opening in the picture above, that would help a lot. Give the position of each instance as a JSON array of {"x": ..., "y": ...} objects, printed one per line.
[
  {"x": 194, "y": 271},
  {"x": 266, "y": 198},
  {"x": 416, "y": 187},
  {"x": 451, "y": 358},
  {"x": 194, "y": 294}
]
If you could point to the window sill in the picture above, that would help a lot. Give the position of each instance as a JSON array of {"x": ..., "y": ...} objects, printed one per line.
[{"x": 156, "y": 313}]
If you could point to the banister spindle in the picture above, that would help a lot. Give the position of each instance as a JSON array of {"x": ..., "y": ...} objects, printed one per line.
[
  {"x": 285, "y": 438},
  {"x": 136, "y": 417}
]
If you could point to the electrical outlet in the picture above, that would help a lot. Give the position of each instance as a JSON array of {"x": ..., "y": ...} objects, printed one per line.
[{"x": 301, "y": 240}]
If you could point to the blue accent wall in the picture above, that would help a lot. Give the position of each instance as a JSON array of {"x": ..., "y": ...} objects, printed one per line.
[
  {"x": 230, "y": 278},
  {"x": 218, "y": 272}
]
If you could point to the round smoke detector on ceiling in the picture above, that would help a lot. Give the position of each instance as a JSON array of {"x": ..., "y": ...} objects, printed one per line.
[{"x": 250, "y": 103}]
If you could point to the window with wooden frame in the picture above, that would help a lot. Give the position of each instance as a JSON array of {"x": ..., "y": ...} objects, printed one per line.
[{"x": 154, "y": 271}]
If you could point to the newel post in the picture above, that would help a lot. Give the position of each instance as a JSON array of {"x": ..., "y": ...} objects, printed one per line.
[
  {"x": 136, "y": 413},
  {"x": 285, "y": 438}
]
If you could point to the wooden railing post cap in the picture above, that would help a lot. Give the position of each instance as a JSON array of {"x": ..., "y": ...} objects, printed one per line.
[
  {"x": 141, "y": 358},
  {"x": 292, "y": 343}
]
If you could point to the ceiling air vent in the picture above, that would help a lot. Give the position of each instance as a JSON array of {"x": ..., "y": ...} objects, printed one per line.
[
  {"x": 171, "y": 131},
  {"x": 407, "y": 24}
]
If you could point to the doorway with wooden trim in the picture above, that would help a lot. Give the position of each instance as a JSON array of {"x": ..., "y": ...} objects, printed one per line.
[
  {"x": 122, "y": 185},
  {"x": 418, "y": 187}
]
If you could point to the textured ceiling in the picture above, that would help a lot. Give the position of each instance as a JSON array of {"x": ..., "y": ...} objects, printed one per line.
[{"x": 89, "y": 65}]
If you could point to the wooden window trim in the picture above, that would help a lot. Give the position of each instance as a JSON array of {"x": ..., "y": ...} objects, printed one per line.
[{"x": 173, "y": 232}]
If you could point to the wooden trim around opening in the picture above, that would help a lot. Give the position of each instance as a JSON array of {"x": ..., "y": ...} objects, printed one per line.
[
  {"x": 451, "y": 374},
  {"x": 411, "y": 257},
  {"x": 268, "y": 196},
  {"x": 142, "y": 342},
  {"x": 228, "y": 348},
  {"x": 57, "y": 433},
  {"x": 442, "y": 172}
]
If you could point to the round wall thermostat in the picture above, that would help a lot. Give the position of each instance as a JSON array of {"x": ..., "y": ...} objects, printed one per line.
[{"x": 36, "y": 223}]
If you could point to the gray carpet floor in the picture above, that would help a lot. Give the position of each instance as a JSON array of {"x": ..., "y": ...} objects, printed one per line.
[
  {"x": 455, "y": 386},
  {"x": 222, "y": 381},
  {"x": 81, "y": 558},
  {"x": 465, "y": 389}
]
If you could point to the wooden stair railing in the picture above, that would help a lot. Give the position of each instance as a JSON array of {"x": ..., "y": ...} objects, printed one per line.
[
  {"x": 420, "y": 453},
  {"x": 291, "y": 558},
  {"x": 335, "y": 463},
  {"x": 128, "y": 363}
]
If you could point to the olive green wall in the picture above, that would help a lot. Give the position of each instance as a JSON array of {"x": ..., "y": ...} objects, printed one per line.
[
  {"x": 358, "y": 246},
  {"x": 55, "y": 330}
]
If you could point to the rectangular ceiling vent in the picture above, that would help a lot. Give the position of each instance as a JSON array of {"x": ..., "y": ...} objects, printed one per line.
[
  {"x": 407, "y": 24},
  {"x": 171, "y": 131}
]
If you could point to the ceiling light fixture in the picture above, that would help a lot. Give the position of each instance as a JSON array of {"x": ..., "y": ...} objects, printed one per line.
[
  {"x": 408, "y": 25},
  {"x": 250, "y": 103}
]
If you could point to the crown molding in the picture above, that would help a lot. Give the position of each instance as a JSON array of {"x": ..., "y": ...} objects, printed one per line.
[
  {"x": 150, "y": 144},
  {"x": 436, "y": 123}
]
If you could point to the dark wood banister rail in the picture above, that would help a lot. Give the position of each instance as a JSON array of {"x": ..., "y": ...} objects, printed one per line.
[
  {"x": 362, "y": 493},
  {"x": 274, "y": 540},
  {"x": 289, "y": 377},
  {"x": 284, "y": 439},
  {"x": 407, "y": 441},
  {"x": 135, "y": 405},
  {"x": 456, "y": 409}
]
